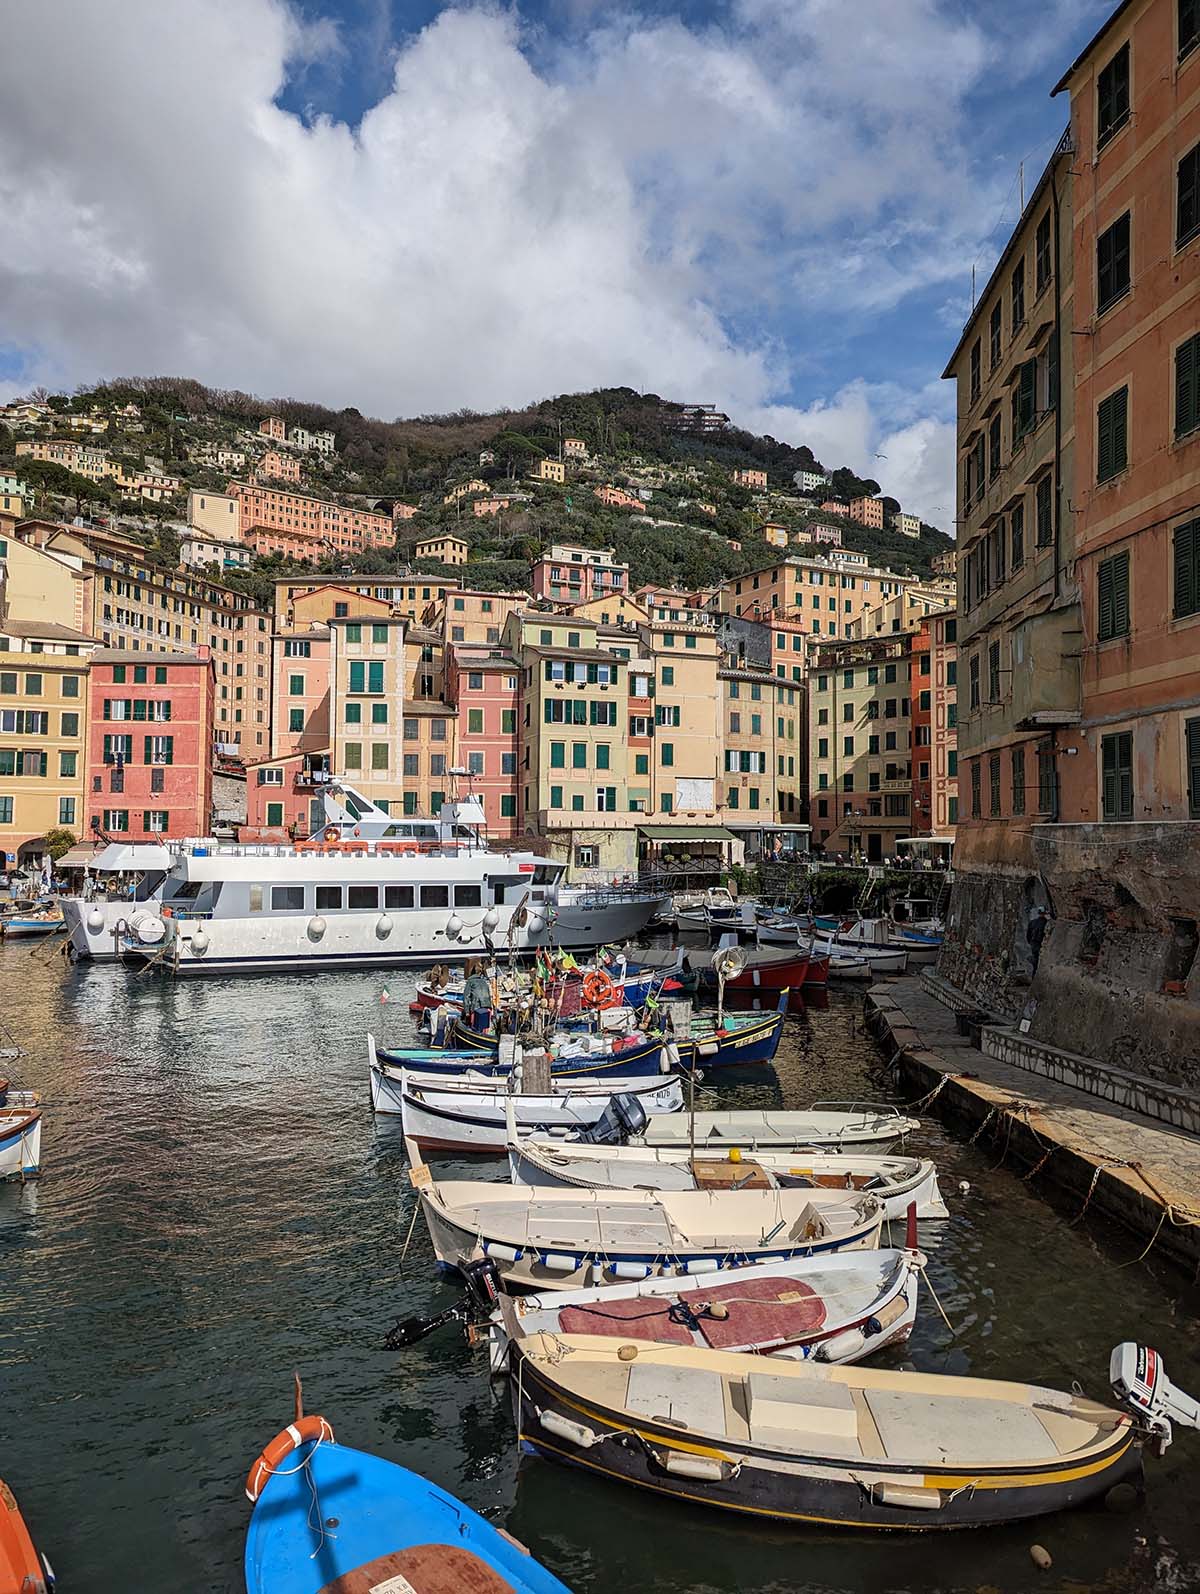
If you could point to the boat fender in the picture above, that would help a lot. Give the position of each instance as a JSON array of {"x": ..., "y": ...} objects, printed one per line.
[
  {"x": 628, "y": 1270},
  {"x": 627, "y": 1353},
  {"x": 293, "y": 1436},
  {"x": 383, "y": 926},
  {"x": 502, "y": 1253},
  {"x": 718, "y": 1311},
  {"x": 701, "y": 1264},
  {"x": 1040, "y": 1557},
  {"x": 149, "y": 929},
  {"x": 536, "y": 924},
  {"x": 842, "y": 1346},
  {"x": 707, "y": 1048},
  {"x": 316, "y": 927},
  {"x": 670, "y": 1058},
  {"x": 910, "y": 1498},
  {"x": 200, "y": 941},
  {"x": 559, "y": 1262},
  {"x": 891, "y": 1312},
  {"x": 706, "y": 1468},
  {"x": 95, "y": 921},
  {"x": 576, "y": 1433}
]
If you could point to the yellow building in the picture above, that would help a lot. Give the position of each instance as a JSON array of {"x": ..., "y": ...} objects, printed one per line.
[
  {"x": 612, "y": 608},
  {"x": 449, "y": 550},
  {"x": 471, "y": 615},
  {"x": 826, "y": 597},
  {"x": 43, "y": 728},
  {"x": 405, "y": 594},
  {"x": 775, "y": 535},
  {"x": 906, "y": 610},
  {"x": 366, "y": 704},
  {"x": 687, "y": 733},
  {"x": 464, "y": 490},
  {"x": 574, "y": 772},
  {"x": 747, "y": 793},
  {"x": 215, "y": 514},
  {"x": 429, "y": 754},
  {"x": 550, "y": 470},
  {"x": 860, "y": 745}
]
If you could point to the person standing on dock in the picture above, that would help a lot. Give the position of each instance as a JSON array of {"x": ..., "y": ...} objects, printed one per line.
[{"x": 1035, "y": 934}]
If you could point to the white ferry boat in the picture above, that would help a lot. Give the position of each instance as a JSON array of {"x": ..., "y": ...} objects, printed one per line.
[{"x": 365, "y": 889}]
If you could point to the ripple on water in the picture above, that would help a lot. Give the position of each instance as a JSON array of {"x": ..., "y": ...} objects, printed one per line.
[{"x": 220, "y": 1207}]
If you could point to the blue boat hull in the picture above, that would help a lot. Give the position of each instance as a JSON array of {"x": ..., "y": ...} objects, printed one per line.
[
  {"x": 639, "y": 1061},
  {"x": 387, "y": 1519},
  {"x": 748, "y": 1043}
]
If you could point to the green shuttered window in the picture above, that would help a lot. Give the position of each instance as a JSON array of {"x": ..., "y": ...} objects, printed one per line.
[
  {"x": 1116, "y": 763},
  {"x": 1186, "y": 561},
  {"x": 1112, "y": 454},
  {"x": 1112, "y": 581},
  {"x": 1187, "y": 386}
]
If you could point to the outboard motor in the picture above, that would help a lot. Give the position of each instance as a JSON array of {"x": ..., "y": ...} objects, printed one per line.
[
  {"x": 483, "y": 1284},
  {"x": 620, "y": 1122},
  {"x": 1139, "y": 1381},
  {"x": 482, "y": 1292}
]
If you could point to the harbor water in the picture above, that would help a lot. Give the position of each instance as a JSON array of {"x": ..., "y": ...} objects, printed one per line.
[{"x": 219, "y": 1207}]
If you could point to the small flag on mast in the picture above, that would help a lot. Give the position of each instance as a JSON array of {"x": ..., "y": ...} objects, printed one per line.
[{"x": 385, "y": 995}]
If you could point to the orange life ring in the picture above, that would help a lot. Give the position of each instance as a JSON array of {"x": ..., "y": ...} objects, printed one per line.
[
  {"x": 599, "y": 990},
  {"x": 332, "y": 832},
  {"x": 293, "y": 1436}
]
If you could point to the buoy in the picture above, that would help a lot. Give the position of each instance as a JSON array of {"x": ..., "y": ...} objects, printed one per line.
[
  {"x": 964, "y": 1187},
  {"x": 1040, "y": 1557},
  {"x": 627, "y": 1353},
  {"x": 719, "y": 1312},
  {"x": 95, "y": 921},
  {"x": 383, "y": 926},
  {"x": 316, "y": 927}
]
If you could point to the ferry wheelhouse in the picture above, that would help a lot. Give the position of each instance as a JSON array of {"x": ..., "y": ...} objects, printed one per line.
[{"x": 366, "y": 888}]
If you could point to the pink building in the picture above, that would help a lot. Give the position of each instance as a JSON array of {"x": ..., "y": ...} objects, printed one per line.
[
  {"x": 282, "y": 797},
  {"x": 149, "y": 744},
  {"x": 832, "y": 507},
  {"x": 751, "y": 478},
  {"x": 567, "y": 574},
  {"x": 489, "y": 506},
  {"x": 618, "y": 498},
  {"x": 483, "y": 684},
  {"x": 404, "y": 511},
  {"x": 829, "y": 534},
  {"x": 300, "y": 692},
  {"x": 273, "y": 428},
  {"x": 274, "y": 466}
]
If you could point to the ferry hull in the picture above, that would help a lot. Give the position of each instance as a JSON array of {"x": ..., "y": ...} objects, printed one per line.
[{"x": 416, "y": 938}]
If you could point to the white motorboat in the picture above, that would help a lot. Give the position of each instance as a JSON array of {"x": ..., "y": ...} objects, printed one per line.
[
  {"x": 899, "y": 1182},
  {"x": 828, "y": 1126},
  {"x": 879, "y": 959},
  {"x": 367, "y": 889},
  {"x": 469, "y": 1113},
  {"x": 836, "y": 1308},
  {"x": 20, "y": 1141},
  {"x": 571, "y": 1239}
]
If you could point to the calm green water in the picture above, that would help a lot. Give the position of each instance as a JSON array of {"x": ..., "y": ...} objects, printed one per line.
[{"x": 219, "y": 1207}]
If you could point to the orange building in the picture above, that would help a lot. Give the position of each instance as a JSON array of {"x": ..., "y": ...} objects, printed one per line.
[
  {"x": 274, "y": 428},
  {"x": 867, "y": 512},
  {"x": 751, "y": 478},
  {"x": 296, "y": 515},
  {"x": 274, "y": 466},
  {"x": 1135, "y": 121}
]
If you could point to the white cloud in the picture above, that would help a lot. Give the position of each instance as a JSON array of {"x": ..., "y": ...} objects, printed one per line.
[{"x": 516, "y": 215}]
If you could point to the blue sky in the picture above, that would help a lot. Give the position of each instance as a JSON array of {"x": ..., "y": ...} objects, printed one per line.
[{"x": 772, "y": 204}]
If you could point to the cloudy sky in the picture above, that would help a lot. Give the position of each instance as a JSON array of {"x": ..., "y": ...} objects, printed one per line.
[{"x": 773, "y": 205}]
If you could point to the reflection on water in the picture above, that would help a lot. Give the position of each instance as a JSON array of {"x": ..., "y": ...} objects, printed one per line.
[{"x": 220, "y": 1207}]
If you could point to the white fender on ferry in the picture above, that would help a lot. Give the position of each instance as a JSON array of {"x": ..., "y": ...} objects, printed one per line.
[
  {"x": 95, "y": 921},
  {"x": 490, "y": 920},
  {"x": 383, "y": 926},
  {"x": 316, "y": 927},
  {"x": 200, "y": 941},
  {"x": 537, "y": 923},
  {"x": 454, "y": 927}
]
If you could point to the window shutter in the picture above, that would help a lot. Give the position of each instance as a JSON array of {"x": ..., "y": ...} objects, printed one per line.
[
  {"x": 1187, "y": 386},
  {"x": 1187, "y": 600},
  {"x": 1109, "y": 776},
  {"x": 1106, "y": 599},
  {"x": 1188, "y": 217},
  {"x": 147, "y": 749},
  {"x": 1120, "y": 583}
]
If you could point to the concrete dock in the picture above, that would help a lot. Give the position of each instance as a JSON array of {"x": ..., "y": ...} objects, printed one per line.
[{"x": 1084, "y": 1152}]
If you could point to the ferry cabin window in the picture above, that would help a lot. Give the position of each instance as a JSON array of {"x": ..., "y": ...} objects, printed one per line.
[
  {"x": 287, "y": 899},
  {"x": 328, "y": 897},
  {"x": 435, "y": 896},
  {"x": 397, "y": 896},
  {"x": 468, "y": 897},
  {"x": 362, "y": 896}
]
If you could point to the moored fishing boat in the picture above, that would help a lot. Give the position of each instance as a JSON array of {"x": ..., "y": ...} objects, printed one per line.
[
  {"x": 898, "y": 1182},
  {"x": 22, "y": 1569},
  {"x": 879, "y": 959},
  {"x": 25, "y": 923},
  {"x": 843, "y": 1446},
  {"x": 331, "y": 1520},
  {"x": 737, "y": 1038},
  {"x": 828, "y": 1126},
  {"x": 470, "y": 1115},
  {"x": 575, "y": 1055},
  {"x": 570, "y": 1239},
  {"x": 20, "y": 1142},
  {"x": 834, "y": 1308}
]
